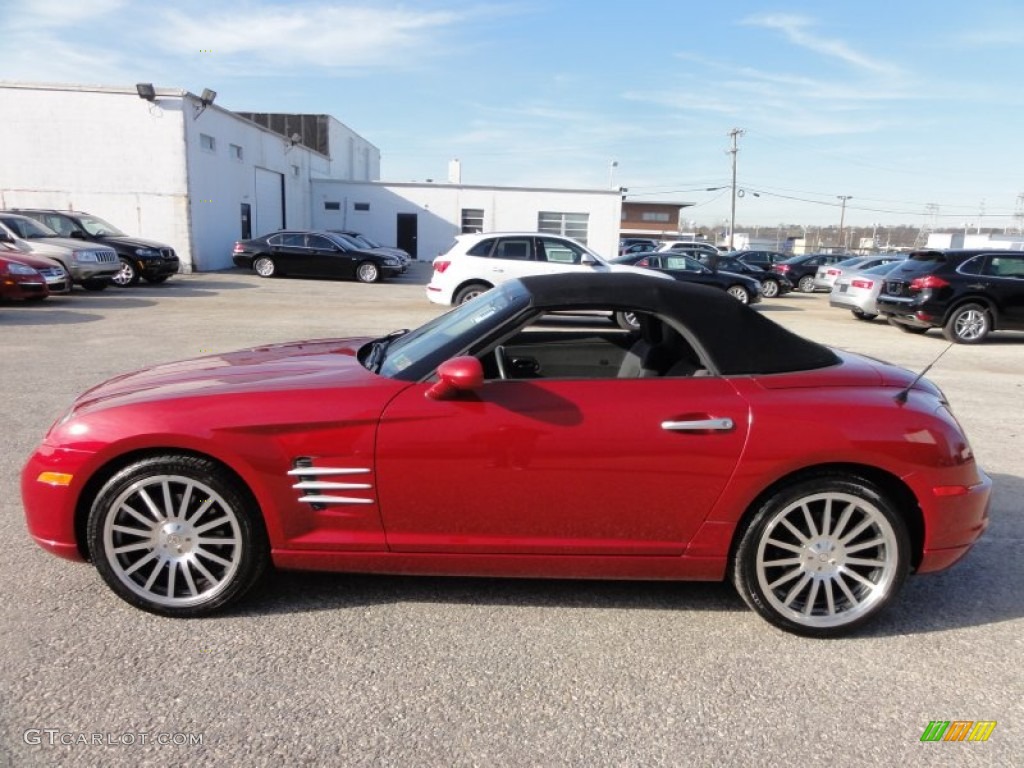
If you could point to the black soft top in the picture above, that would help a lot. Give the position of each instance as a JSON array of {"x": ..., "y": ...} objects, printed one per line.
[{"x": 736, "y": 339}]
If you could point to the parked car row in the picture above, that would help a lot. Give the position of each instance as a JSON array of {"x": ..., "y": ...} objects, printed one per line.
[
  {"x": 319, "y": 253},
  {"x": 965, "y": 293},
  {"x": 92, "y": 252}
]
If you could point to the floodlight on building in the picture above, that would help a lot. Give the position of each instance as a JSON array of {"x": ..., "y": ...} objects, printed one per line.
[
  {"x": 146, "y": 91},
  {"x": 205, "y": 100}
]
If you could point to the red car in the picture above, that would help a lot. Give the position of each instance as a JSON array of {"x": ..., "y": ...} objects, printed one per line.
[
  {"x": 19, "y": 280},
  {"x": 500, "y": 440}
]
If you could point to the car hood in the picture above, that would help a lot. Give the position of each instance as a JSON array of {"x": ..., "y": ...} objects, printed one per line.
[
  {"x": 290, "y": 366},
  {"x": 61, "y": 245},
  {"x": 36, "y": 261},
  {"x": 130, "y": 242}
]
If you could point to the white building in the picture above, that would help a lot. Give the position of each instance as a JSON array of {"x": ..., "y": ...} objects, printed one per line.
[
  {"x": 175, "y": 167},
  {"x": 423, "y": 218},
  {"x": 971, "y": 240}
]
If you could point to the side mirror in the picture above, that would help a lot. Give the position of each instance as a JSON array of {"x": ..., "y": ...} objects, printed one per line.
[
  {"x": 587, "y": 260},
  {"x": 77, "y": 234},
  {"x": 460, "y": 374},
  {"x": 5, "y": 238}
]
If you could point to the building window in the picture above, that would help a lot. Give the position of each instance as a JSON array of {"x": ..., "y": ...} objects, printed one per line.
[
  {"x": 472, "y": 220},
  {"x": 654, "y": 216},
  {"x": 235, "y": 151},
  {"x": 207, "y": 143},
  {"x": 331, "y": 206},
  {"x": 360, "y": 206},
  {"x": 572, "y": 225},
  {"x": 295, "y": 170}
]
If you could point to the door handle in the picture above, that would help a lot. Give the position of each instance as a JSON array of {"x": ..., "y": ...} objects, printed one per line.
[{"x": 698, "y": 425}]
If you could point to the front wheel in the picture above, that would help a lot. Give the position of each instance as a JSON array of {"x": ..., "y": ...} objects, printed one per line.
[
  {"x": 739, "y": 293},
  {"x": 823, "y": 556},
  {"x": 860, "y": 314},
  {"x": 806, "y": 284},
  {"x": 968, "y": 324},
  {"x": 770, "y": 289},
  {"x": 177, "y": 535},
  {"x": 367, "y": 272},
  {"x": 127, "y": 275}
]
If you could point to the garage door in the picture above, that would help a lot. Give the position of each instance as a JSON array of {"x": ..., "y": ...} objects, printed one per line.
[{"x": 269, "y": 210}]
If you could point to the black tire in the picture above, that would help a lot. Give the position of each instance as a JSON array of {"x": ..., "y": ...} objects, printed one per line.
[
  {"x": 264, "y": 266},
  {"x": 129, "y": 274},
  {"x": 840, "y": 561},
  {"x": 627, "y": 321},
  {"x": 769, "y": 288},
  {"x": 96, "y": 284},
  {"x": 860, "y": 314},
  {"x": 739, "y": 292},
  {"x": 192, "y": 520},
  {"x": 806, "y": 284},
  {"x": 471, "y": 291},
  {"x": 969, "y": 324},
  {"x": 156, "y": 279},
  {"x": 368, "y": 272}
]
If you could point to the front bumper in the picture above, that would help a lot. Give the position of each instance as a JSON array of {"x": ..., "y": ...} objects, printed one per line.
[
  {"x": 50, "y": 506},
  {"x": 160, "y": 266},
  {"x": 83, "y": 271}
]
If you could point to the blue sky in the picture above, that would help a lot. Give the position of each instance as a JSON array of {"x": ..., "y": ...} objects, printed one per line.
[{"x": 896, "y": 104}]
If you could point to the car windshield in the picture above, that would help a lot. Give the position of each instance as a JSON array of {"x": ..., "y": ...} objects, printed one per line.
[
  {"x": 97, "y": 227},
  {"x": 26, "y": 228},
  {"x": 444, "y": 336},
  {"x": 882, "y": 269},
  {"x": 344, "y": 240},
  {"x": 365, "y": 241}
]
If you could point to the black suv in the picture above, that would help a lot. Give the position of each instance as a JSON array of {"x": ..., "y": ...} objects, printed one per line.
[
  {"x": 139, "y": 258},
  {"x": 966, "y": 293}
]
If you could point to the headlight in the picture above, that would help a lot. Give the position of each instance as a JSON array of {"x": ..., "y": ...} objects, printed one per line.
[
  {"x": 147, "y": 252},
  {"x": 392, "y": 262},
  {"x": 89, "y": 256},
  {"x": 20, "y": 269}
]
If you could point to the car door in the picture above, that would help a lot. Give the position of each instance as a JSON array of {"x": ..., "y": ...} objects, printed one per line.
[
  {"x": 1004, "y": 283},
  {"x": 328, "y": 258},
  {"x": 548, "y": 466},
  {"x": 507, "y": 258},
  {"x": 289, "y": 250}
]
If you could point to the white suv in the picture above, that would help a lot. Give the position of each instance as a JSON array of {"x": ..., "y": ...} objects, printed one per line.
[{"x": 476, "y": 263}]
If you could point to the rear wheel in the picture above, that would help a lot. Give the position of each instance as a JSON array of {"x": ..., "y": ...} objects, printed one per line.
[
  {"x": 968, "y": 324},
  {"x": 739, "y": 293},
  {"x": 177, "y": 535},
  {"x": 912, "y": 329},
  {"x": 823, "y": 556},
  {"x": 806, "y": 284},
  {"x": 367, "y": 272},
  {"x": 770, "y": 288},
  {"x": 471, "y": 291},
  {"x": 128, "y": 274},
  {"x": 264, "y": 266},
  {"x": 628, "y": 321},
  {"x": 860, "y": 314}
]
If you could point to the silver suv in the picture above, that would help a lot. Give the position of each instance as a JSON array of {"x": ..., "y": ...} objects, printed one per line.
[{"x": 90, "y": 265}]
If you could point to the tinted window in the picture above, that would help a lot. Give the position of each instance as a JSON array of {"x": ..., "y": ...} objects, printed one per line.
[
  {"x": 320, "y": 243},
  {"x": 1006, "y": 266},
  {"x": 517, "y": 249},
  {"x": 973, "y": 266},
  {"x": 483, "y": 248}
]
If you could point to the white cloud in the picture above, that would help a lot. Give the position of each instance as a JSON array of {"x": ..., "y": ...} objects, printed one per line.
[
  {"x": 36, "y": 14},
  {"x": 799, "y": 31},
  {"x": 295, "y": 35}
]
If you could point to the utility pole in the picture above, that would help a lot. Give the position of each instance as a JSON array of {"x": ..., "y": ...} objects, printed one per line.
[
  {"x": 734, "y": 134},
  {"x": 842, "y": 216}
]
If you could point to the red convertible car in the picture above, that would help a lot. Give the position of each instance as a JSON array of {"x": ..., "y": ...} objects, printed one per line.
[{"x": 501, "y": 440}]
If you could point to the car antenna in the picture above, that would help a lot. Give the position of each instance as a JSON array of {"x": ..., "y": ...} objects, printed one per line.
[{"x": 901, "y": 396}]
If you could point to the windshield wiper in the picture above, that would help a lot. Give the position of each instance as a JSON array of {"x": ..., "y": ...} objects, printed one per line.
[{"x": 379, "y": 348}]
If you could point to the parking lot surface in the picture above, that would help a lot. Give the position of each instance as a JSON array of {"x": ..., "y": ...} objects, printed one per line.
[{"x": 365, "y": 670}]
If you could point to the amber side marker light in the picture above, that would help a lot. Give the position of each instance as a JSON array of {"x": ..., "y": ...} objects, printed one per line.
[{"x": 55, "y": 478}]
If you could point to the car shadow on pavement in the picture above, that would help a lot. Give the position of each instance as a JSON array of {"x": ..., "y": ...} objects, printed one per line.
[{"x": 975, "y": 592}]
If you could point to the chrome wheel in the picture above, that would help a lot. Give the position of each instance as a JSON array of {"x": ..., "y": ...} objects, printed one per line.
[
  {"x": 127, "y": 275},
  {"x": 173, "y": 536},
  {"x": 367, "y": 272},
  {"x": 264, "y": 266},
  {"x": 740, "y": 293},
  {"x": 821, "y": 562},
  {"x": 806, "y": 284},
  {"x": 628, "y": 321},
  {"x": 470, "y": 292},
  {"x": 770, "y": 289},
  {"x": 968, "y": 325}
]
